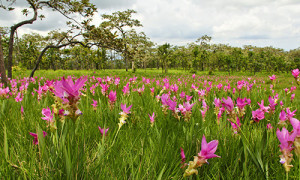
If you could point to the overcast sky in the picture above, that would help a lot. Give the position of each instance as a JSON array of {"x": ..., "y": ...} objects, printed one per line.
[{"x": 234, "y": 22}]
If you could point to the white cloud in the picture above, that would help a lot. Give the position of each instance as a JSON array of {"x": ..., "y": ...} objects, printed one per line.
[{"x": 234, "y": 22}]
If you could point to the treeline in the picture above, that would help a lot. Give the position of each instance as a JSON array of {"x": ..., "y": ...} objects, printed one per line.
[{"x": 198, "y": 56}]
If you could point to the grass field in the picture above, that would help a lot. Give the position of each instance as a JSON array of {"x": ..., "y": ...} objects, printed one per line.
[{"x": 135, "y": 147}]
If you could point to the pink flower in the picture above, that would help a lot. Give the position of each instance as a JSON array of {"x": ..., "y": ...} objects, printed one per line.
[
  {"x": 112, "y": 96},
  {"x": 262, "y": 107},
  {"x": 228, "y": 104},
  {"x": 48, "y": 114},
  {"x": 292, "y": 97},
  {"x": 35, "y": 137},
  {"x": 126, "y": 109},
  {"x": 95, "y": 103},
  {"x": 19, "y": 97},
  {"x": 182, "y": 156},
  {"x": 241, "y": 103},
  {"x": 282, "y": 116},
  {"x": 152, "y": 118},
  {"x": 208, "y": 149},
  {"x": 103, "y": 131},
  {"x": 269, "y": 126},
  {"x": 67, "y": 89},
  {"x": 125, "y": 90},
  {"x": 296, "y": 125},
  {"x": 286, "y": 139},
  {"x": 188, "y": 98},
  {"x": 258, "y": 115},
  {"x": 295, "y": 73},
  {"x": 236, "y": 126},
  {"x": 272, "y": 78},
  {"x": 22, "y": 110},
  {"x": 217, "y": 102}
]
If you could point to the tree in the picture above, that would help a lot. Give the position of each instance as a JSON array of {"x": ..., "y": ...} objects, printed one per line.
[
  {"x": 64, "y": 7},
  {"x": 164, "y": 52},
  {"x": 2, "y": 68},
  {"x": 117, "y": 24}
]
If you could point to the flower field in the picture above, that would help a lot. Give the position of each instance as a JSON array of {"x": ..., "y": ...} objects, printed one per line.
[{"x": 150, "y": 127}]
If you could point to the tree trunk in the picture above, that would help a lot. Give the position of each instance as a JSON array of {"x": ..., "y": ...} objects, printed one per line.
[
  {"x": 2, "y": 67},
  {"x": 12, "y": 33}
]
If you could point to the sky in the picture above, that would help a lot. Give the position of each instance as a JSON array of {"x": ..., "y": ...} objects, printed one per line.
[{"x": 179, "y": 22}]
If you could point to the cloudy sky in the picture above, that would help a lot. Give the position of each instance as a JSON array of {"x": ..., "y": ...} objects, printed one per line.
[{"x": 234, "y": 22}]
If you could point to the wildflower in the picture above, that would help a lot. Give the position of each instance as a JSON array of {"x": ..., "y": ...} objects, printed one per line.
[
  {"x": 296, "y": 125},
  {"x": 125, "y": 90},
  {"x": 95, "y": 104},
  {"x": 258, "y": 115},
  {"x": 103, "y": 131},
  {"x": 112, "y": 96},
  {"x": 152, "y": 118},
  {"x": 286, "y": 139},
  {"x": 272, "y": 104},
  {"x": 282, "y": 117},
  {"x": 235, "y": 126},
  {"x": 207, "y": 152},
  {"x": 292, "y": 97},
  {"x": 296, "y": 73},
  {"x": 124, "y": 114},
  {"x": 182, "y": 158},
  {"x": 35, "y": 137},
  {"x": 19, "y": 97},
  {"x": 69, "y": 93},
  {"x": 48, "y": 115},
  {"x": 269, "y": 126},
  {"x": 152, "y": 91},
  {"x": 272, "y": 78},
  {"x": 262, "y": 107}
]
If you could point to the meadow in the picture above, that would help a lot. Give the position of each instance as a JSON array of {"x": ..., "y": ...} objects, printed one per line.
[{"x": 147, "y": 125}]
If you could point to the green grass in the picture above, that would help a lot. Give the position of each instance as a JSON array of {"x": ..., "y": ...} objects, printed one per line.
[{"x": 138, "y": 150}]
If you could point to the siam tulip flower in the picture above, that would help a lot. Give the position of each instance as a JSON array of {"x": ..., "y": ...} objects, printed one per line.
[
  {"x": 296, "y": 125},
  {"x": 296, "y": 73},
  {"x": 141, "y": 90},
  {"x": 48, "y": 115},
  {"x": 205, "y": 108},
  {"x": 269, "y": 126},
  {"x": 188, "y": 98},
  {"x": 262, "y": 107},
  {"x": 67, "y": 89},
  {"x": 172, "y": 106},
  {"x": 95, "y": 104},
  {"x": 193, "y": 76},
  {"x": 241, "y": 103},
  {"x": 124, "y": 114},
  {"x": 104, "y": 88},
  {"x": 103, "y": 131},
  {"x": 152, "y": 118},
  {"x": 182, "y": 158},
  {"x": 117, "y": 81},
  {"x": 152, "y": 91},
  {"x": 4, "y": 92},
  {"x": 126, "y": 90},
  {"x": 112, "y": 96},
  {"x": 19, "y": 97},
  {"x": 186, "y": 110},
  {"x": 174, "y": 88},
  {"x": 235, "y": 126},
  {"x": 293, "y": 88},
  {"x": 228, "y": 104},
  {"x": 219, "y": 86},
  {"x": 207, "y": 152},
  {"x": 258, "y": 115},
  {"x": 182, "y": 95},
  {"x": 69, "y": 93},
  {"x": 290, "y": 114},
  {"x": 282, "y": 117},
  {"x": 292, "y": 97},
  {"x": 35, "y": 137},
  {"x": 286, "y": 139},
  {"x": 272, "y": 78},
  {"x": 272, "y": 104}
]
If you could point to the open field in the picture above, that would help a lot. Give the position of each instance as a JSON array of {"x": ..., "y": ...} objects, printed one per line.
[{"x": 74, "y": 112}]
